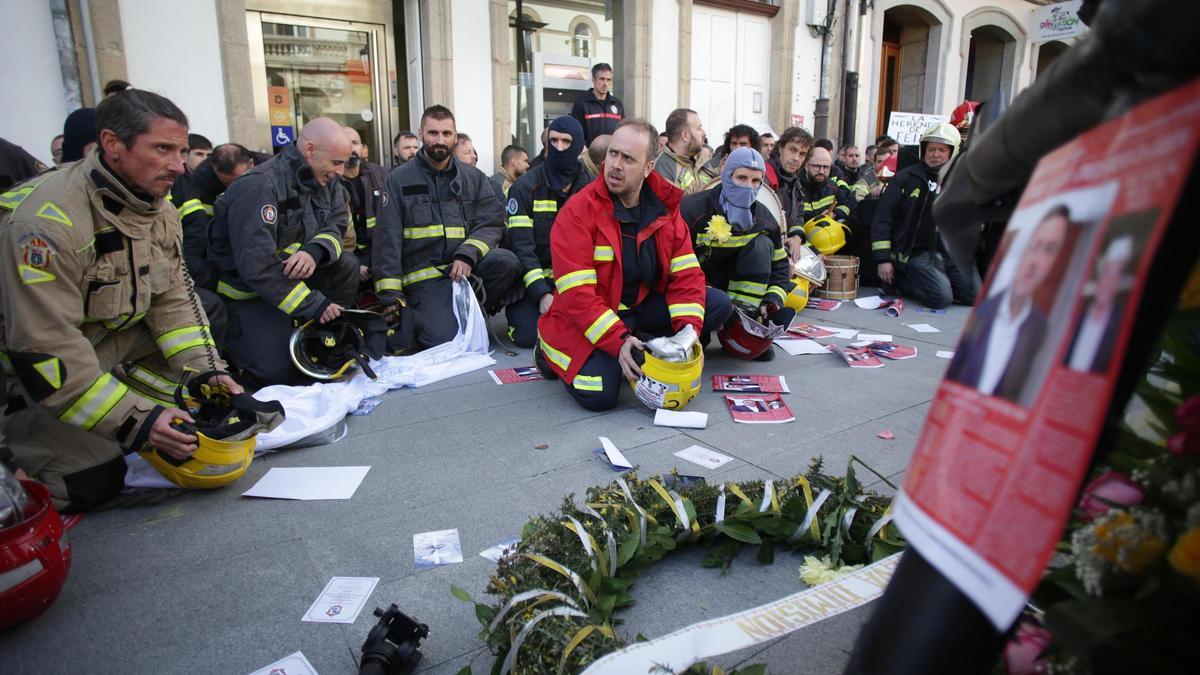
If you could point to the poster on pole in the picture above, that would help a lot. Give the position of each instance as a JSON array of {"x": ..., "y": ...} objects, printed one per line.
[
  {"x": 907, "y": 127},
  {"x": 1056, "y": 22},
  {"x": 1012, "y": 428}
]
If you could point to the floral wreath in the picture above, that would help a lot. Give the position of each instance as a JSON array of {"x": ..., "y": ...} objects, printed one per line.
[
  {"x": 558, "y": 590},
  {"x": 1125, "y": 593}
]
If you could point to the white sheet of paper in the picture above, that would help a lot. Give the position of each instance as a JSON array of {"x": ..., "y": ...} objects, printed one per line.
[
  {"x": 437, "y": 548},
  {"x": 703, "y": 456},
  {"x": 318, "y": 482},
  {"x": 922, "y": 328},
  {"x": 292, "y": 664},
  {"x": 498, "y": 550},
  {"x": 872, "y": 302},
  {"x": 844, "y": 333},
  {"x": 679, "y": 418},
  {"x": 341, "y": 601},
  {"x": 614, "y": 455},
  {"x": 869, "y": 337},
  {"x": 945, "y": 355},
  {"x": 801, "y": 346}
]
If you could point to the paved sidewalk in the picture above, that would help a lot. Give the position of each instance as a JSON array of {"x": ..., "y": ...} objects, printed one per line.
[{"x": 217, "y": 583}]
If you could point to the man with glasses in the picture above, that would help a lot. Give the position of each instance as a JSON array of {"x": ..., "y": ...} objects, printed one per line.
[{"x": 819, "y": 194}]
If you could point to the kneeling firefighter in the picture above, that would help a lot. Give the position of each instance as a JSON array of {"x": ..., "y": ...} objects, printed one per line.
[
  {"x": 740, "y": 244},
  {"x": 624, "y": 267}
]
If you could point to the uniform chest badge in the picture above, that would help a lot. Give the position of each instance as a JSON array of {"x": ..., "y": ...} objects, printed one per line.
[
  {"x": 613, "y": 107},
  {"x": 37, "y": 251},
  {"x": 270, "y": 214}
]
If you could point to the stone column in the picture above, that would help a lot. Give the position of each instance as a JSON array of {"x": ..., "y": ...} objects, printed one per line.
[
  {"x": 783, "y": 66},
  {"x": 684, "y": 99},
  {"x": 502, "y": 71},
  {"x": 235, "y": 66},
  {"x": 631, "y": 51},
  {"x": 438, "y": 52},
  {"x": 108, "y": 44}
]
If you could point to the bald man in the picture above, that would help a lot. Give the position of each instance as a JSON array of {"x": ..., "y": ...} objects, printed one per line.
[{"x": 277, "y": 246}]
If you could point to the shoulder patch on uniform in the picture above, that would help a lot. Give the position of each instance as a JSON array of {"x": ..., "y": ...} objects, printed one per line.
[
  {"x": 614, "y": 108},
  {"x": 384, "y": 198},
  {"x": 269, "y": 214},
  {"x": 512, "y": 206},
  {"x": 37, "y": 250},
  {"x": 50, "y": 211}
]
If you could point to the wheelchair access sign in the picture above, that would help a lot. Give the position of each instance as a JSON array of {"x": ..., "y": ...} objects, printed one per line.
[{"x": 281, "y": 136}]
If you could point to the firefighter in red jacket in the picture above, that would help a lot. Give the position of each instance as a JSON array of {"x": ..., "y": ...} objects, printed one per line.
[{"x": 624, "y": 270}]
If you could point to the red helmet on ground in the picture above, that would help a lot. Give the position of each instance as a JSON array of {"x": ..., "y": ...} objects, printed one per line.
[
  {"x": 743, "y": 337},
  {"x": 35, "y": 557}
]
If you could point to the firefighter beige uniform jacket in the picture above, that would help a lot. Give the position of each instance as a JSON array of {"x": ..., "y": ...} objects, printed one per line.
[{"x": 86, "y": 265}]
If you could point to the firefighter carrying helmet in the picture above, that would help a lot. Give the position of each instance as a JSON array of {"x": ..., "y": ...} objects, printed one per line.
[{"x": 226, "y": 427}]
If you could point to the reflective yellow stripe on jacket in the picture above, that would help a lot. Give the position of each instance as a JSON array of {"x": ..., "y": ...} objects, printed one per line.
[
  {"x": 601, "y": 326},
  {"x": 533, "y": 276},
  {"x": 175, "y": 341},
  {"x": 556, "y": 357},
  {"x": 234, "y": 293},
  {"x": 545, "y": 206},
  {"x": 99, "y": 399},
  {"x": 683, "y": 262},
  {"x": 602, "y": 254},
  {"x": 293, "y": 299},
  {"x": 683, "y": 309},
  {"x": 520, "y": 221},
  {"x": 575, "y": 279}
]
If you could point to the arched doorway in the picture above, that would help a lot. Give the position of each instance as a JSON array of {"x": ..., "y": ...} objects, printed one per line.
[
  {"x": 990, "y": 64},
  {"x": 909, "y": 63},
  {"x": 1048, "y": 53}
]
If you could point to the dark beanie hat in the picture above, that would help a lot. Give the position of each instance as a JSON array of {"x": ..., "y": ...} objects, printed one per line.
[{"x": 78, "y": 131}]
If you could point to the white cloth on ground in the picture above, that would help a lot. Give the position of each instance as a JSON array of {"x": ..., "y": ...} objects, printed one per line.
[{"x": 318, "y": 407}]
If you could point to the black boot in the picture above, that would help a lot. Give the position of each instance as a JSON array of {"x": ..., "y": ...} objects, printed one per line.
[{"x": 539, "y": 362}]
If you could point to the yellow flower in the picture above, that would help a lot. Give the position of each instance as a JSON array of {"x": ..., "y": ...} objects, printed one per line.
[
  {"x": 816, "y": 571},
  {"x": 1120, "y": 541},
  {"x": 1185, "y": 554},
  {"x": 719, "y": 229}
]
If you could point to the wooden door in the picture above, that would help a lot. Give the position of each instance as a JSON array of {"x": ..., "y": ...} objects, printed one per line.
[{"x": 889, "y": 85}]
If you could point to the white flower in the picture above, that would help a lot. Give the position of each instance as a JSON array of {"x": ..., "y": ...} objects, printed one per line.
[{"x": 816, "y": 571}]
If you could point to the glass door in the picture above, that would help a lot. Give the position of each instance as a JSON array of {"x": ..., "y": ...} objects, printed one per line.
[{"x": 306, "y": 68}]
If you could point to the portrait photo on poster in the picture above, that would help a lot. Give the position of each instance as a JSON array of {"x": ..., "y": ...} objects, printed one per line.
[
  {"x": 1011, "y": 341},
  {"x": 1104, "y": 300}
]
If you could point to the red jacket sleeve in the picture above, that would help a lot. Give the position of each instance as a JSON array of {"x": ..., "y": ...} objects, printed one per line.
[
  {"x": 685, "y": 284},
  {"x": 572, "y": 248}
]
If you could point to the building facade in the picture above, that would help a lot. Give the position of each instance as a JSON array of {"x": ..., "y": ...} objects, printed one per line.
[{"x": 253, "y": 71}]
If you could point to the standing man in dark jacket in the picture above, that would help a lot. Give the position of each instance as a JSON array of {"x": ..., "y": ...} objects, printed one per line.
[
  {"x": 533, "y": 204},
  {"x": 364, "y": 182},
  {"x": 277, "y": 246},
  {"x": 904, "y": 239},
  {"x": 439, "y": 222},
  {"x": 597, "y": 110}
]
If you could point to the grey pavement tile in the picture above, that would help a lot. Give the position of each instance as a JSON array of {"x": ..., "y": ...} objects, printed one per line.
[{"x": 215, "y": 582}]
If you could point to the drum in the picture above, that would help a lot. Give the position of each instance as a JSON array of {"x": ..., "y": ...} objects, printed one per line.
[{"x": 842, "y": 280}]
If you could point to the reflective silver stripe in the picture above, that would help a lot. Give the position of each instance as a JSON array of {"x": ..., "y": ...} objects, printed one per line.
[{"x": 13, "y": 578}]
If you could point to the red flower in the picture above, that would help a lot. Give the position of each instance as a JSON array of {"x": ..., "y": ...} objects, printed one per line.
[
  {"x": 1109, "y": 488},
  {"x": 1187, "y": 440},
  {"x": 1021, "y": 654}
]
